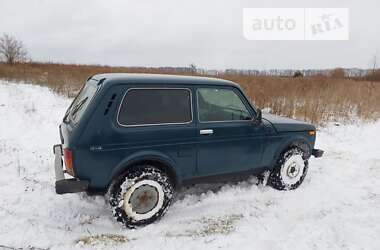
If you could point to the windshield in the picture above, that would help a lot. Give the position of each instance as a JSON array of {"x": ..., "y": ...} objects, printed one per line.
[{"x": 80, "y": 103}]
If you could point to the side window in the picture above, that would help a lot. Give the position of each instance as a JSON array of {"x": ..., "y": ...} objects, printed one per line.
[
  {"x": 218, "y": 104},
  {"x": 155, "y": 106}
]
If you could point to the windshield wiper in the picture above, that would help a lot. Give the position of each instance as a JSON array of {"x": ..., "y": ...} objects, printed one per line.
[{"x": 77, "y": 107}]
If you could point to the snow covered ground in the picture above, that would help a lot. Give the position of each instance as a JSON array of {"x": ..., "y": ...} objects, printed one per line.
[{"x": 337, "y": 207}]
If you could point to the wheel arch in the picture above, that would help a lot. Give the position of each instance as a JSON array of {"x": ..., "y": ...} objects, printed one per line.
[
  {"x": 298, "y": 141},
  {"x": 155, "y": 159}
]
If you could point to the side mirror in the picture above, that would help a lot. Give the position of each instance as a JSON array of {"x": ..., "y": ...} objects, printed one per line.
[{"x": 259, "y": 117}]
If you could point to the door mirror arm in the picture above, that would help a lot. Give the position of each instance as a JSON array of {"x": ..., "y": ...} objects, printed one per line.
[{"x": 258, "y": 118}]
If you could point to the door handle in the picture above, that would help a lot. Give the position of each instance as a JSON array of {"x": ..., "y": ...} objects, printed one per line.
[{"x": 206, "y": 131}]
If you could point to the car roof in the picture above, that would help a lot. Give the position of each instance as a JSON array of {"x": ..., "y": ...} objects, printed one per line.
[{"x": 113, "y": 78}]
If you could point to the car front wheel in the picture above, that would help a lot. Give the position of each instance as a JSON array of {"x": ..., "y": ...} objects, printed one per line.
[
  {"x": 141, "y": 196},
  {"x": 290, "y": 170}
]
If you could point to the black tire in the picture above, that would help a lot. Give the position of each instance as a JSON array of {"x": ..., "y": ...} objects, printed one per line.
[
  {"x": 126, "y": 186},
  {"x": 280, "y": 177}
]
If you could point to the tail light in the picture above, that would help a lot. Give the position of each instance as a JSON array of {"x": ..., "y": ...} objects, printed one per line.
[
  {"x": 68, "y": 158},
  {"x": 312, "y": 132}
]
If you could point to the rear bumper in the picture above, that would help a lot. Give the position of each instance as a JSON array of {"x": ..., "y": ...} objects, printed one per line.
[
  {"x": 63, "y": 185},
  {"x": 317, "y": 153}
]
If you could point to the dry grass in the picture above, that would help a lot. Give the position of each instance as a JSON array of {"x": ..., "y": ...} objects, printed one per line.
[
  {"x": 102, "y": 239},
  {"x": 209, "y": 226},
  {"x": 66, "y": 78},
  {"x": 317, "y": 99}
]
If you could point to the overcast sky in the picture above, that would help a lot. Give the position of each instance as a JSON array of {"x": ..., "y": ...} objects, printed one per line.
[{"x": 178, "y": 33}]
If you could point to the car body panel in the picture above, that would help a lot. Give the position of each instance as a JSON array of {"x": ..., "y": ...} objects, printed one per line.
[
  {"x": 284, "y": 124},
  {"x": 240, "y": 141}
]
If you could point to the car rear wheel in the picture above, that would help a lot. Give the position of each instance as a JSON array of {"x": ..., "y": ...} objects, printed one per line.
[
  {"x": 141, "y": 196},
  {"x": 290, "y": 171}
]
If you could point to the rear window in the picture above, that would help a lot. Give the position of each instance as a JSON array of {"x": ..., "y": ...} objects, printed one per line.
[
  {"x": 155, "y": 106},
  {"x": 81, "y": 101}
]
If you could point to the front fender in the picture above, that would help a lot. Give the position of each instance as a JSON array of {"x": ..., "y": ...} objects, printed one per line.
[
  {"x": 298, "y": 141},
  {"x": 145, "y": 156}
]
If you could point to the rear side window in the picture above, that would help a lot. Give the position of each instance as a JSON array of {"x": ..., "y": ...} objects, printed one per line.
[
  {"x": 155, "y": 106},
  {"x": 81, "y": 101}
]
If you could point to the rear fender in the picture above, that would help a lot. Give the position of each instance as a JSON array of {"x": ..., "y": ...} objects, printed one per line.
[{"x": 146, "y": 156}]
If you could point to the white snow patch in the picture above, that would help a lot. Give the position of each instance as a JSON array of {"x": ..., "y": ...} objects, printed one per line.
[{"x": 337, "y": 207}]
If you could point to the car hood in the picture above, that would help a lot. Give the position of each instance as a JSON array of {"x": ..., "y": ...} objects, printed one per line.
[{"x": 283, "y": 124}]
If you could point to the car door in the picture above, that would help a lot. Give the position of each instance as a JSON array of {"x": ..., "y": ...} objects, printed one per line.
[{"x": 228, "y": 139}]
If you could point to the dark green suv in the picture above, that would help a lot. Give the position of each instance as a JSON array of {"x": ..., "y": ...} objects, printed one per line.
[{"x": 138, "y": 137}]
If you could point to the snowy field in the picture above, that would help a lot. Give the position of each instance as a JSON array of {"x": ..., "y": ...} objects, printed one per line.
[{"x": 337, "y": 207}]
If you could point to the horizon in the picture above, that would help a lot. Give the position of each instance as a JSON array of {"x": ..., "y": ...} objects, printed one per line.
[{"x": 188, "y": 67}]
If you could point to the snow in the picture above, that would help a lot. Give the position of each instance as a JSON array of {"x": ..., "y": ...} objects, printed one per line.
[{"x": 337, "y": 206}]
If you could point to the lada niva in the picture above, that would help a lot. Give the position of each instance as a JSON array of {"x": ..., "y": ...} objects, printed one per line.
[{"x": 138, "y": 137}]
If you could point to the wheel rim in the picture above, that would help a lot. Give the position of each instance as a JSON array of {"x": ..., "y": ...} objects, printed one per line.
[
  {"x": 292, "y": 169},
  {"x": 143, "y": 200}
]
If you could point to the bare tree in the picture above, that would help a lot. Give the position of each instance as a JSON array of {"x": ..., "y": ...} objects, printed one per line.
[
  {"x": 12, "y": 50},
  {"x": 298, "y": 73},
  {"x": 373, "y": 74},
  {"x": 374, "y": 63},
  {"x": 193, "y": 68}
]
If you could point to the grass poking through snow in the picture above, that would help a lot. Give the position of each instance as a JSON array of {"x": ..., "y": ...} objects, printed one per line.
[
  {"x": 211, "y": 226},
  {"x": 102, "y": 239}
]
